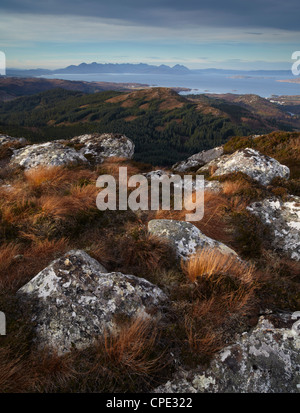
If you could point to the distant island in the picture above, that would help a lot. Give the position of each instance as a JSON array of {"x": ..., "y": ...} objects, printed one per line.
[
  {"x": 296, "y": 80},
  {"x": 92, "y": 68},
  {"x": 137, "y": 68}
]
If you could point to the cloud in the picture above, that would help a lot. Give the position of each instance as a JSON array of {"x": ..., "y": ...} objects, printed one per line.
[
  {"x": 171, "y": 13},
  {"x": 78, "y": 29},
  {"x": 148, "y": 30}
]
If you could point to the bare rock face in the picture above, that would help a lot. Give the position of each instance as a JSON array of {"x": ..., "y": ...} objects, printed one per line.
[
  {"x": 265, "y": 360},
  {"x": 96, "y": 147},
  {"x": 75, "y": 299},
  {"x": 184, "y": 237},
  {"x": 199, "y": 159},
  {"x": 283, "y": 218},
  {"x": 260, "y": 167},
  {"x": 46, "y": 154}
]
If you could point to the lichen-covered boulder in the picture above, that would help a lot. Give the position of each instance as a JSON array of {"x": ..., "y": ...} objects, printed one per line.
[
  {"x": 7, "y": 146},
  {"x": 265, "y": 360},
  {"x": 179, "y": 182},
  {"x": 283, "y": 219},
  {"x": 199, "y": 159},
  {"x": 46, "y": 154},
  {"x": 159, "y": 174},
  {"x": 213, "y": 186},
  {"x": 96, "y": 147},
  {"x": 75, "y": 299},
  {"x": 184, "y": 237},
  {"x": 9, "y": 140},
  {"x": 260, "y": 167}
]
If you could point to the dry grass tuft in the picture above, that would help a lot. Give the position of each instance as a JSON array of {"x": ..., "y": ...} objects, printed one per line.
[
  {"x": 209, "y": 262},
  {"x": 111, "y": 166},
  {"x": 144, "y": 252},
  {"x": 214, "y": 223},
  {"x": 132, "y": 346},
  {"x": 233, "y": 187},
  {"x": 79, "y": 199},
  {"x": 20, "y": 263},
  {"x": 56, "y": 178},
  {"x": 15, "y": 374},
  {"x": 128, "y": 360},
  {"x": 221, "y": 297}
]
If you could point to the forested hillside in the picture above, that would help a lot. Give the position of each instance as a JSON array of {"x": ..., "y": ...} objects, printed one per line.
[{"x": 164, "y": 126}]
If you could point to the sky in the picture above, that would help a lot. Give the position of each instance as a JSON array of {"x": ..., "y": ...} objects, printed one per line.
[{"x": 225, "y": 34}]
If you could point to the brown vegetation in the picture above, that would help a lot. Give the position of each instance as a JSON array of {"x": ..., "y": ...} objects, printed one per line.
[
  {"x": 48, "y": 211},
  {"x": 223, "y": 296}
]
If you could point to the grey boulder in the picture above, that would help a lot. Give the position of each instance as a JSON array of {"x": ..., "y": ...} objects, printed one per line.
[
  {"x": 259, "y": 167},
  {"x": 96, "y": 147},
  {"x": 75, "y": 299},
  {"x": 9, "y": 140},
  {"x": 46, "y": 154},
  {"x": 265, "y": 360},
  {"x": 199, "y": 159},
  {"x": 184, "y": 237},
  {"x": 283, "y": 219}
]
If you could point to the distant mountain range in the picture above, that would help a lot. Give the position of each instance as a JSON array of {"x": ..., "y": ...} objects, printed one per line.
[
  {"x": 140, "y": 68},
  {"x": 85, "y": 68}
]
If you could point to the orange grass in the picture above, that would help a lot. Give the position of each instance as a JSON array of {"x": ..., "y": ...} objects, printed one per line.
[
  {"x": 213, "y": 223},
  {"x": 208, "y": 262},
  {"x": 132, "y": 346},
  {"x": 20, "y": 263},
  {"x": 223, "y": 294}
]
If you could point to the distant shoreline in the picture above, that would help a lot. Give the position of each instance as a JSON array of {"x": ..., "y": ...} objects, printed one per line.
[{"x": 297, "y": 80}]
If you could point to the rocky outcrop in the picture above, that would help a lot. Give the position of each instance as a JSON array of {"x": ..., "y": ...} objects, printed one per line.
[
  {"x": 9, "y": 140},
  {"x": 75, "y": 299},
  {"x": 46, "y": 154},
  {"x": 199, "y": 159},
  {"x": 93, "y": 148},
  {"x": 159, "y": 174},
  {"x": 96, "y": 147},
  {"x": 283, "y": 219},
  {"x": 265, "y": 360},
  {"x": 7, "y": 146},
  {"x": 260, "y": 167},
  {"x": 184, "y": 237}
]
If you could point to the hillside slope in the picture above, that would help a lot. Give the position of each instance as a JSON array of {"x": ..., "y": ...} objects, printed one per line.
[
  {"x": 164, "y": 126},
  {"x": 14, "y": 87}
]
